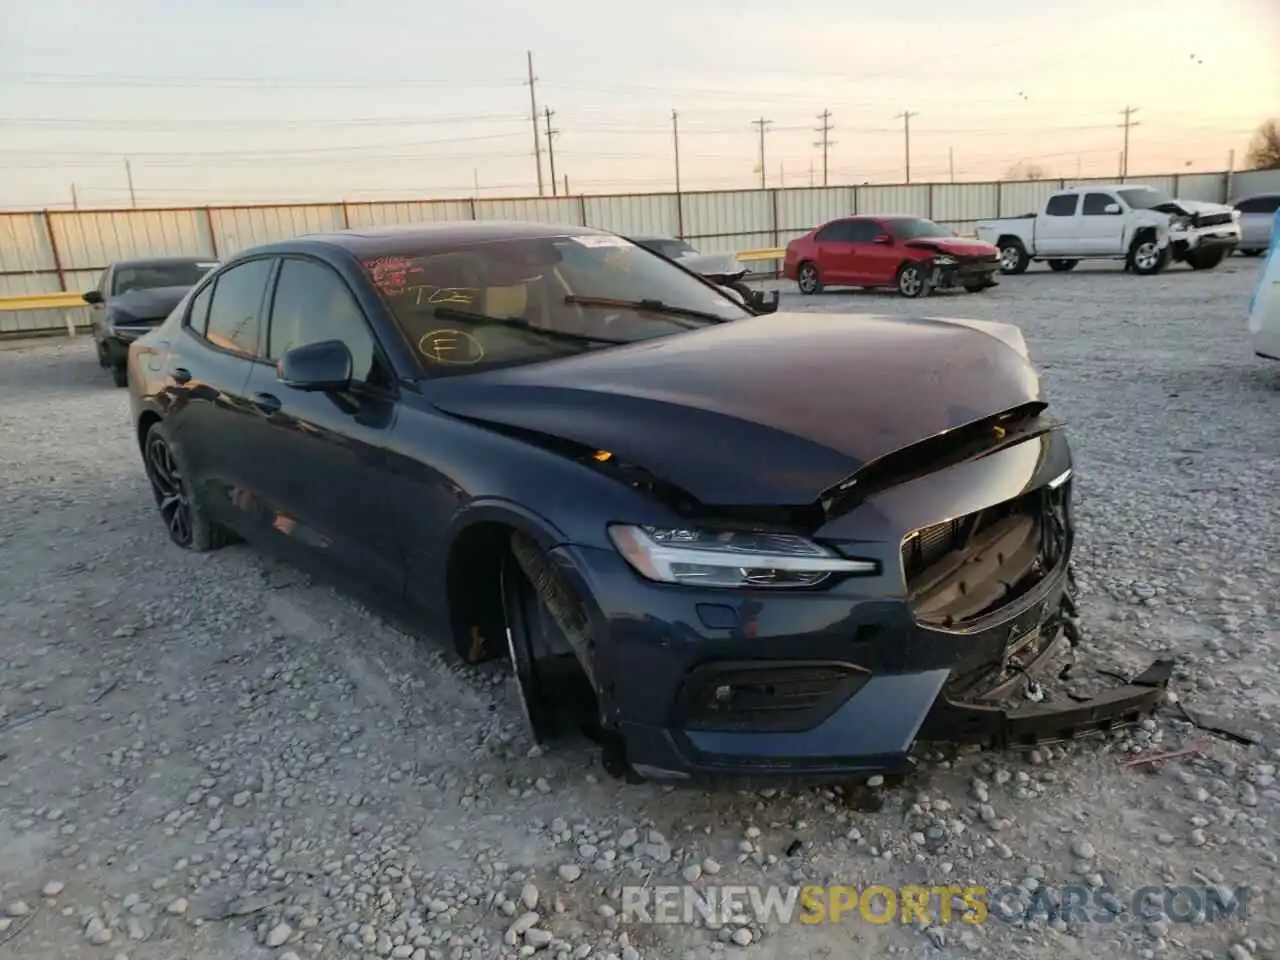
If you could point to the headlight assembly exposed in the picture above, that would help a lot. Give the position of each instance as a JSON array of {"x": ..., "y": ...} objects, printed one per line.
[
  {"x": 942, "y": 260},
  {"x": 730, "y": 559}
]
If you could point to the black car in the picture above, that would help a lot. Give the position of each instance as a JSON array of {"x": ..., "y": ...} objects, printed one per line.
[
  {"x": 132, "y": 297},
  {"x": 733, "y": 544}
]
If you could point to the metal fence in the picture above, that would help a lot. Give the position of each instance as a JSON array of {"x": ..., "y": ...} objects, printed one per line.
[{"x": 51, "y": 251}]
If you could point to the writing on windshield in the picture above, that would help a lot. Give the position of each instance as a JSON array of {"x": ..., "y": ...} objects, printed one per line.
[{"x": 523, "y": 300}]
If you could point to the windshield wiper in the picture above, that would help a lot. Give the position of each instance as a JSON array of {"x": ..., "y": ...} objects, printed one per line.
[
  {"x": 650, "y": 306},
  {"x": 451, "y": 313}
]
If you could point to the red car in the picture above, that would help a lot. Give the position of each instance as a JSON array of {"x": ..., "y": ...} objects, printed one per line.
[{"x": 915, "y": 255}]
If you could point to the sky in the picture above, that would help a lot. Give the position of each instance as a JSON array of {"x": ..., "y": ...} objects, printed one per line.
[{"x": 255, "y": 102}]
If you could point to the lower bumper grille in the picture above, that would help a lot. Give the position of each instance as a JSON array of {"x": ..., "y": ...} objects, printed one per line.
[{"x": 765, "y": 697}]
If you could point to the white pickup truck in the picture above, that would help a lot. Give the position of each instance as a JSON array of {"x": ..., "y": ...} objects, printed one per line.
[{"x": 1137, "y": 224}]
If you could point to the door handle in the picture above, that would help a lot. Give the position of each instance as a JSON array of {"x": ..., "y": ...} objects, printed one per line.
[
  {"x": 181, "y": 374},
  {"x": 268, "y": 403}
]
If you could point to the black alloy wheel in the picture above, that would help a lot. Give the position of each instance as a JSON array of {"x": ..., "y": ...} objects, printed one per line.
[{"x": 169, "y": 488}]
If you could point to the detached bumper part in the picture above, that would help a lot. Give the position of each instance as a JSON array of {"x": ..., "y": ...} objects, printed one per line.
[
  {"x": 1003, "y": 727},
  {"x": 762, "y": 302}
]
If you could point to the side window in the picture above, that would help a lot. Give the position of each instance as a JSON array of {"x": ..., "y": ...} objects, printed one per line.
[
  {"x": 313, "y": 304},
  {"x": 236, "y": 309},
  {"x": 864, "y": 231},
  {"x": 1259, "y": 205},
  {"x": 198, "y": 315},
  {"x": 1062, "y": 205},
  {"x": 838, "y": 232},
  {"x": 1095, "y": 204}
]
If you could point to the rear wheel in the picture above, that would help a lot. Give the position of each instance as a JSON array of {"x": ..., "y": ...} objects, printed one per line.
[
  {"x": 808, "y": 279},
  {"x": 119, "y": 375},
  {"x": 1013, "y": 256},
  {"x": 185, "y": 518},
  {"x": 1062, "y": 266},
  {"x": 1205, "y": 259},
  {"x": 1251, "y": 253}
]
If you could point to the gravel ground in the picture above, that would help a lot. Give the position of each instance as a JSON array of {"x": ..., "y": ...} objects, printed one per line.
[{"x": 209, "y": 756}]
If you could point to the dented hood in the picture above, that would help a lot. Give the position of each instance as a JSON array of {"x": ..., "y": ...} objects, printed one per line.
[
  {"x": 713, "y": 264},
  {"x": 771, "y": 410},
  {"x": 956, "y": 246}
]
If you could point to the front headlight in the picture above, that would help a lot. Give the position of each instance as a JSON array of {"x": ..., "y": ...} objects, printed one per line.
[
  {"x": 722, "y": 559},
  {"x": 944, "y": 261},
  {"x": 1235, "y": 214}
]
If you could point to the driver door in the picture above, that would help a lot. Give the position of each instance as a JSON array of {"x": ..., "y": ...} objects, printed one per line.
[{"x": 319, "y": 457}]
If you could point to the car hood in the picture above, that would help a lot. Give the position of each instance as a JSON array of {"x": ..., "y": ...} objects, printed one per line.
[
  {"x": 955, "y": 246},
  {"x": 1188, "y": 207},
  {"x": 771, "y": 410},
  {"x": 712, "y": 264},
  {"x": 154, "y": 304}
]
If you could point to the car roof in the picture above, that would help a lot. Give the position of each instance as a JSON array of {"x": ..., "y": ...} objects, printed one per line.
[{"x": 425, "y": 237}]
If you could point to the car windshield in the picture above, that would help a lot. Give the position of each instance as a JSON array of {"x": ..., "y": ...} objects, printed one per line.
[
  {"x": 502, "y": 303},
  {"x": 673, "y": 249},
  {"x": 1143, "y": 198},
  {"x": 915, "y": 229},
  {"x": 148, "y": 276}
]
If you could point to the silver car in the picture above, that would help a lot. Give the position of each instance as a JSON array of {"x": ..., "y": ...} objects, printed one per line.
[{"x": 1257, "y": 217}]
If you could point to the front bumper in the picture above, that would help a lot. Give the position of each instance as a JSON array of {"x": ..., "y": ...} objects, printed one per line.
[
  {"x": 1218, "y": 237},
  {"x": 838, "y": 683},
  {"x": 965, "y": 273}
]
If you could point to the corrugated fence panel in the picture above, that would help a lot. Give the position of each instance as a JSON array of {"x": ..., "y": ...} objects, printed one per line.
[
  {"x": 909, "y": 199},
  {"x": 1210, "y": 187},
  {"x": 236, "y": 228},
  {"x": 799, "y": 210},
  {"x": 1254, "y": 181},
  {"x": 24, "y": 244},
  {"x": 428, "y": 211},
  {"x": 729, "y": 212},
  {"x": 649, "y": 214},
  {"x": 93, "y": 239},
  {"x": 1027, "y": 196},
  {"x": 964, "y": 202},
  {"x": 564, "y": 210}
]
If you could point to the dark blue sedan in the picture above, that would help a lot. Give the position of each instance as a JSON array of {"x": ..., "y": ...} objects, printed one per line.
[{"x": 726, "y": 544}]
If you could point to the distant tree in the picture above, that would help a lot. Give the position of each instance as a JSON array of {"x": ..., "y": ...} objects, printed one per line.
[
  {"x": 1264, "y": 148},
  {"x": 1024, "y": 170}
]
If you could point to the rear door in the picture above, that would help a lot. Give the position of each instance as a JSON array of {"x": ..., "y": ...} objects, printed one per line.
[
  {"x": 1101, "y": 234},
  {"x": 209, "y": 365},
  {"x": 1057, "y": 227},
  {"x": 318, "y": 458}
]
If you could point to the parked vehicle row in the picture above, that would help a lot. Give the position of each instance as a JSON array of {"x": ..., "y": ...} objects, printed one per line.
[
  {"x": 726, "y": 534},
  {"x": 1257, "y": 222},
  {"x": 1137, "y": 224}
]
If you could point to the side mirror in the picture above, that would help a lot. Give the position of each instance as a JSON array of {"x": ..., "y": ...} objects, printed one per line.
[
  {"x": 91, "y": 296},
  {"x": 1112, "y": 209},
  {"x": 883, "y": 238},
  {"x": 324, "y": 366}
]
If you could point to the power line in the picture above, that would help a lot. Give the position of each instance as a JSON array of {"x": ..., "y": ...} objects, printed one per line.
[
  {"x": 826, "y": 142},
  {"x": 905, "y": 117},
  {"x": 763, "y": 124},
  {"x": 533, "y": 116}
]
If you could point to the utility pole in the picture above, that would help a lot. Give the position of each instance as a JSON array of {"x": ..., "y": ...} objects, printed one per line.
[
  {"x": 566, "y": 184},
  {"x": 675, "y": 144},
  {"x": 533, "y": 116},
  {"x": 905, "y": 117},
  {"x": 811, "y": 173},
  {"x": 128, "y": 172},
  {"x": 951, "y": 162},
  {"x": 475, "y": 176},
  {"x": 1127, "y": 113},
  {"x": 75, "y": 200},
  {"x": 826, "y": 142},
  {"x": 551, "y": 152},
  {"x": 763, "y": 124}
]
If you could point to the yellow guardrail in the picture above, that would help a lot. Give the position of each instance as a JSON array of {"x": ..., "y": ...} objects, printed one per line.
[
  {"x": 749, "y": 255},
  {"x": 42, "y": 301}
]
